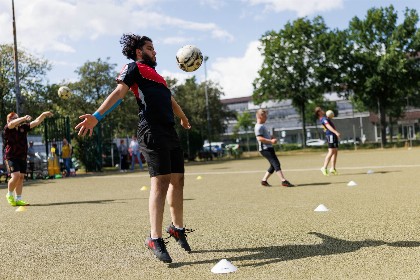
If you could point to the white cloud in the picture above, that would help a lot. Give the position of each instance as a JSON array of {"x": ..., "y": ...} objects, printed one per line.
[
  {"x": 176, "y": 40},
  {"x": 179, "y": 76},
  {"x": 213, "y": 4},
  {"x": 236, "y": 74},
  {"x": 57, "y": 25},
  {"x": 301, "y": 7}
]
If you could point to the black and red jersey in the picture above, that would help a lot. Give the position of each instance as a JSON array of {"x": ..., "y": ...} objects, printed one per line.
[
  {"x": 151, "y": 91},
  {"x": 16, "y": 142}
]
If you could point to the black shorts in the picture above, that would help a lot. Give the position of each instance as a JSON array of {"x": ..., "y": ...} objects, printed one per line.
[
  {"x": 332, "y": 141},
  {"x": 272, "y": 158},
  {"x": 162, "y": 150},
  {"x": 16, "y": 165}
]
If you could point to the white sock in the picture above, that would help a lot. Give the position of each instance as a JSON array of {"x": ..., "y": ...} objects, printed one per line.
[
  {"x": 178, "y": 228},
  {"x": 9, "y": 193},
  {"x": 18, "y": 197}
]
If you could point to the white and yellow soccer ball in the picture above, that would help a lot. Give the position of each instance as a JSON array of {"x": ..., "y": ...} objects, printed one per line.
[
  {"x": 189, "y": 58},
  {"x": 330, "y": 114},
  {"x": 64, "y": 92}
]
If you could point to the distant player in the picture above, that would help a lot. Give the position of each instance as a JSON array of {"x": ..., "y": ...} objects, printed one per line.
[
  {"x": 333, "y": 137},
  {"x": 265, "y": 146},
  {"x": 16, "y": 147}
]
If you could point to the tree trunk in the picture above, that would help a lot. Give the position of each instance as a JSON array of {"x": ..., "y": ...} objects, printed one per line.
[
  {"x": 303, "y": 124},
  {"x": 383, "y": 123}
]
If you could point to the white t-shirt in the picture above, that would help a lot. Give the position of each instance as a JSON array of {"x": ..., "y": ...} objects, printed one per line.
[{"x": 134, "y": 145}]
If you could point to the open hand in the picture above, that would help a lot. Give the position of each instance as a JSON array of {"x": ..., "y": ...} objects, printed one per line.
[{"x": 86, "y": 125}]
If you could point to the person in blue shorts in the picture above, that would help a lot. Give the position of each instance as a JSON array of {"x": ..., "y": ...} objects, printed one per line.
[
  {"x": 332, "y": 136},
  {"x": 158, "y": 140}
]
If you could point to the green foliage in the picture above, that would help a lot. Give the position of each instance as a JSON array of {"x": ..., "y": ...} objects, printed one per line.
[
  {"x": 297, "y": 64},
  {"x": 191, "y": 97},
  {"x": 245, "y": 122},
  {"x": 32, "y": 71},
  {"x": 89, "y": 151},
  {"x": 382, "y": 61}
]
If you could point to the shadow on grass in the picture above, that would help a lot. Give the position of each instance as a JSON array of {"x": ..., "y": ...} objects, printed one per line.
[
  {"x": 102, "y": 201},
  {"x": 318, "y": 184},
  {"x": 272, "y": 254},
  {"x": 374, "y": 172},
  {"x": 75, "y": 202}
]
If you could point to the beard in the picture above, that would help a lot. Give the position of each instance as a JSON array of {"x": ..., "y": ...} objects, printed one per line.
[{"x": 148, "y": 60}]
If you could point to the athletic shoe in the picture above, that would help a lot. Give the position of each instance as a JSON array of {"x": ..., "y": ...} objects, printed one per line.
[
  {"x": 158, "y": 248},
  {"x": 265, "y": 184},
  {"x": 333, "y": 171},
  {"x": 180, "y": 236},
  {"x": 21, "y": 203},
  {"x": 324, "y": 171},
  {"x": 11, "y": 199},
  {"x": 287, "y": 184}
]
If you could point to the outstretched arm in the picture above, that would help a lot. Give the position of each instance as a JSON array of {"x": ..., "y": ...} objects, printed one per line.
[
  {"x": 40, "y": 119},
  {"x": 111, "y": 102},
  {"x": 178, "y": 111},
  {"x": 18, "y": 121}
]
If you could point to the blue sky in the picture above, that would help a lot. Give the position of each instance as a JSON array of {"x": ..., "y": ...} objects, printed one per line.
[{"x": 70, "y": 32}]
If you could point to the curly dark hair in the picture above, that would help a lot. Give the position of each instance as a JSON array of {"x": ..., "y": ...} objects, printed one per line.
[{"x": 131, "y": 42}]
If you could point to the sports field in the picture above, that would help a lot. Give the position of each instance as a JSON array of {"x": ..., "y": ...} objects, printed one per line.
[{"x": 94, "y": 226}]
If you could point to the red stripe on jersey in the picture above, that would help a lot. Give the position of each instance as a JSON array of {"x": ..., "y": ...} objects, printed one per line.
[
  {"x": 135, "y": 89},
  {"x": 150, "y": 73}
]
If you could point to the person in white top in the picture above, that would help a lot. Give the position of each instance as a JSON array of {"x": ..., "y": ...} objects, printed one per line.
[{"x": 134, "y": 150}]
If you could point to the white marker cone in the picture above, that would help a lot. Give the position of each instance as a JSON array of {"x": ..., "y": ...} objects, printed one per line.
[
  {"x": 144, "y": 188},
  {"x": 21, "y": 209},
  {"x": 352, "y": 184},
  {"x": 199, "y": 177},
  {"x": 370, "y": 171},
  {"x": 224, "y": 266},
  {"x": 321, "y": 208}
]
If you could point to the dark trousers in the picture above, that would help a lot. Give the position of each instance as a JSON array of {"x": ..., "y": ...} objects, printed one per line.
[{"x": 270, "y": 155}]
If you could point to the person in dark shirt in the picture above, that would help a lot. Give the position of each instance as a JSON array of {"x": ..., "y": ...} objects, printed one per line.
[
  {"x": 123, "y": 151},
  {"x": 158, "y": 140},
  {"x": 333, "y": 136},
  {"x": 16, "y": 152}
]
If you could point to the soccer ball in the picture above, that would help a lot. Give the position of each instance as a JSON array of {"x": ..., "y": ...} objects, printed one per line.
[
  {"x": 330, "y": 114},
  {"x": 64, "y": 92},
  {"x": 189, "y": 58}
]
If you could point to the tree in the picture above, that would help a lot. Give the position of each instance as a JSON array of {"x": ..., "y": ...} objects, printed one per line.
[
  {"x": 96, "y": 82},
  {"x": 191, "y": 97},
  {"x": 383, "y": 61},
  {"x": 296, "y": 64},
  {"x": 32, "y": 72},
  {"x": 245, "y": 122}
]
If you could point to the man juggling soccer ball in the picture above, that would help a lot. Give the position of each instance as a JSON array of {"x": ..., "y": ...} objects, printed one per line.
[{"x": 158, "y": 140}]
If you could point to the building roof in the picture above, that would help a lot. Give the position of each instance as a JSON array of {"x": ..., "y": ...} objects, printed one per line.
[{"x": 236, "y": 100}]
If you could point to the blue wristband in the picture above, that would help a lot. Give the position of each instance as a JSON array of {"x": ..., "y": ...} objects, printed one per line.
[
  {"x": 112, "y": 108},
  {"x": 98, "y": 116}
]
